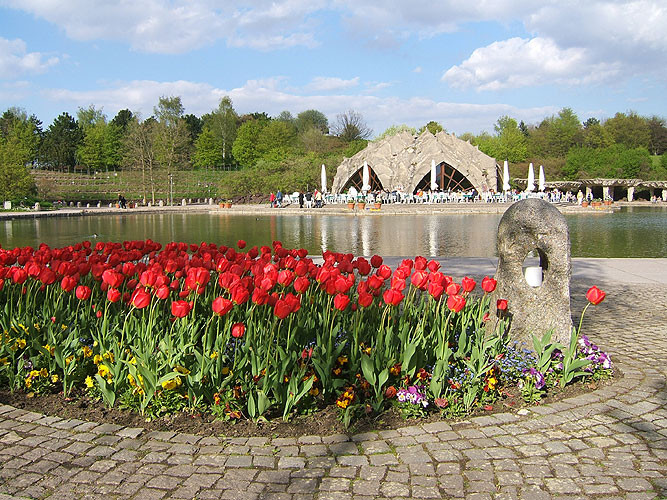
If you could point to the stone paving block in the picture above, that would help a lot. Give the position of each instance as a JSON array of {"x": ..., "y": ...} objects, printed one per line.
[{"x": 634, "y": 484}]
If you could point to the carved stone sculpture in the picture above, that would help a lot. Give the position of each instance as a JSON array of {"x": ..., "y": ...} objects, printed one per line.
[{"x": 535, "y": 225}]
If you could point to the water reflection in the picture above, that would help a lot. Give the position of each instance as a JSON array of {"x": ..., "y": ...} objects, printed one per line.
[{"x": 637, "y": 232}]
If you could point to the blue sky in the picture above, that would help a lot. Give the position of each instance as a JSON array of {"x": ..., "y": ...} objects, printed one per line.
[{"x": 461, "y": 63}]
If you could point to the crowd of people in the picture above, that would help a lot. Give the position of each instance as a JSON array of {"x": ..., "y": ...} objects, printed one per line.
[{"x": 309, "y": 199}]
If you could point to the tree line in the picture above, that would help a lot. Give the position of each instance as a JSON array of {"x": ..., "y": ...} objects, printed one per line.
[{"x": 259, "y": 153}]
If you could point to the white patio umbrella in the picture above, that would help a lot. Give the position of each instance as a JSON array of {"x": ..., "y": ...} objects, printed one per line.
[
  {"x": 541, "y": 182},
  {"x": 366, "y": 180},
  {"x": 506, "y": 176},
  {"x": 434, "y": 183},
  {"x": 531, "y": 179},
  {"x": 324, "y": 179}
]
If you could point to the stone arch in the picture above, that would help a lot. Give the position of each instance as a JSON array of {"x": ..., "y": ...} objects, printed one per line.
[
  {"x": 356, "y": 180},
  {"x": 401, "y": 161},
  {"x": 447, "y": 178}
]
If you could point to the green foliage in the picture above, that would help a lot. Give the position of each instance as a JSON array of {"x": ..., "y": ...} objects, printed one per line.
[
  {"x": 613, "y": 162},
  {"x": 510, "y": 143},
  {"x": 630, "y": 130},
  {"x": 245, "y": 148},
  {"x": 208, "y": 153},
  {"x": 61, "y": 142},
  {"x": 312, "y": 118},
  {"x": 433, "y": 127},
  {"x": 17, "y": 146},
  {"x": 394, "y": 130}
]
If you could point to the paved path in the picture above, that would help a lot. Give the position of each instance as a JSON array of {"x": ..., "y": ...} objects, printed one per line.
[{"x": 611, "y": 443}]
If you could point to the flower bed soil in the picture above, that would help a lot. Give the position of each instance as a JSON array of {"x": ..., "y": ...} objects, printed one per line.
[{"x": 323, "y": 422}]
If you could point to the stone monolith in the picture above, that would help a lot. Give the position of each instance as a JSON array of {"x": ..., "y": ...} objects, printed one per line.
[{"x": 527, "y": 226}]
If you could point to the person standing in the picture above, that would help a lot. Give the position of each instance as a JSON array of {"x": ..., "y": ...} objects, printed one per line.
[
  {"x": 272, "y": 199},
  {"x": 279, "y": 199},
  {"x": 300, "y": 199}
]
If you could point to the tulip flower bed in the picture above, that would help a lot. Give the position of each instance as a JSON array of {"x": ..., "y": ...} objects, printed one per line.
[{"x": 264, "y": 332}]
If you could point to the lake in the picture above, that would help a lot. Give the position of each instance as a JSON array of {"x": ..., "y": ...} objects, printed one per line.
[{"x": 629, "y": 232}]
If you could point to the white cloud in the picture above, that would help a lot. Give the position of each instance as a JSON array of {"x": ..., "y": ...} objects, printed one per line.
[
  {"x": 520, "y": 62},
  {"x": 179, "y": 26},
  {"x": 418, "y": 69},
  {"x": 15, "y": 60},
  {"x": 270, "y": 95},
  {"x": 329, "y": 83}
]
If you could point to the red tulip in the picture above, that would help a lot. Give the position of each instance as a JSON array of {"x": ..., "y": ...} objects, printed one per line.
[
  {"x": 19, "y": 276},
  {"x": 595, "y": 295},
  {"x": 341, "y": 301},
  {"x": 68, "y": 283},
  {"x": 365, "y": 299},
  {"x": 241, "y": 244},
  {"x": 238, "y": 330},
  {"x": 376, "y": 261},
  {"x": 301, "y": 284},
  {"x": 112, "y": 278},
  {"x": 420, "y": 263},
  {"x": 162, "y": 292},
  {"x": 113, "y": 295},
  {"x": 456, "y": 303},
  {"x": 180, "y": 308},
  {"x": 488, "y": 284},
  {"x": 98, "y": 314},
  {"x": 501, "y": 304},
  {"x": 47, "y": 276},
  {"x": 436, "y": 290},
  {"x": 468, "y": 284},
  {"x": 140, "y": 298},
  {"x": 240, "y": 295},
  {"x": 83, "y": 292},
  {"x": 384, "y": 272},
  {"x": 282, "y": 309},
  {"x": 433, "y": 266},
  {"x": 222, "y": 306},
  {"x": 453, "y": 289},
  {"x": 392, "y": 297},
  {"x": 285, "y": 277},
  {"x": 419, "y": 279}
]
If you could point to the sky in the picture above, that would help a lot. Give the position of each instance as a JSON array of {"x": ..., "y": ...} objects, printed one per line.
[{"x": 462, "y": 63}]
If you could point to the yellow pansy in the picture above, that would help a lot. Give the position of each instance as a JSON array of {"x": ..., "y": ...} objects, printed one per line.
[
  {"x": 54, "y": 379},
  {"x": 44, "y": 372},
  {"x": 89, "y": 382},
  {"x": 181, "y": 369},
  {"x": 87, "y": 351},
  {"x": 103, "y": 371},
  {"x": 97, "y": 359},
  {"x": 214, "y": 355},
  {"x": 20, "y": 343},
  {"x": 172, "y": 384},
  {"x": 69, "y": 359}
]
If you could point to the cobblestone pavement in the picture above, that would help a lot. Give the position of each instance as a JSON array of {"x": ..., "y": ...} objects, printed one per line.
[{"x": 611, "y": 443}]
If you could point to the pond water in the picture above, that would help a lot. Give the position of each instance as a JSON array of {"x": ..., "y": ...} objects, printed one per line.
[{"x": 629, "y": 232}]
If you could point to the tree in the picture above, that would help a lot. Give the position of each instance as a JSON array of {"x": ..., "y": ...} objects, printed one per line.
[
  {"x": 658, "y": 135},
  {"x": 565, "y": 132},
  {"x": 245, "y": 149},
  {"x": 61, "y": 141},
  {"x": 285, "y": 116},
  {"x": 91, "y": 151},
  {"x": 394, "y": 130},
  {"x": 276, "y": 140},
  {"x": 631, "y": 130},
  {"x": 350, "y": 126},
  {"x": 122, "y": 119},
  {"x": 433, "y": 127},
  {"x": 595, "y": 135},
  {"x": 313, "y": 140},
  {"x": 195, "y": 126},
  {"x": 139, "y": 153},
  {"x": 208, "y": 153},
  {"x": 511, "y": 143},
  {"x": 224, "y": 123},
  {"x": 17, "y": 145},
  {"x": 89, "y": 117},
  {"x": 312, "y": 118}
]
